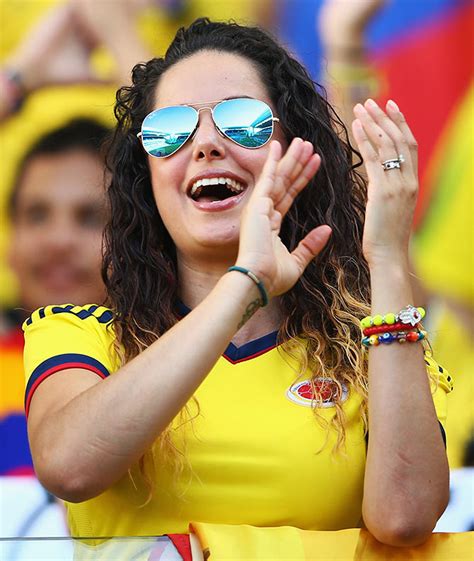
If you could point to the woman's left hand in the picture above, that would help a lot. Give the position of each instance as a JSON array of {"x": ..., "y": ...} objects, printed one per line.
[{"x": 392, "y": 193}]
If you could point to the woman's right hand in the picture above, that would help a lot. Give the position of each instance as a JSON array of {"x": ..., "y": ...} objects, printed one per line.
[{"x": 261, "y": 249}]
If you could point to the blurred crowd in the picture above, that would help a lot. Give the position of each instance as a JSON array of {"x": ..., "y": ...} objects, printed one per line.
[{"x": 61, "y": 63}]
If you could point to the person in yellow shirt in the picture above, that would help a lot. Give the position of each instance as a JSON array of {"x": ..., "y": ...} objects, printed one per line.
[
  {"x": 226, "y": 381},
  {"x": 57, "y": 210}
]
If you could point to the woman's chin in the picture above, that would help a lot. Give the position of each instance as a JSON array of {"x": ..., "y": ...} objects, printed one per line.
[{"x": 212, "y": 246}]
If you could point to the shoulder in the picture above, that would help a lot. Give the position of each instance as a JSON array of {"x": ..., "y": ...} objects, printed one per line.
[
  {"x": 67, "y": 329},
  {"x": 88, "y": 315},
  {"x": 59, "y": 338}
]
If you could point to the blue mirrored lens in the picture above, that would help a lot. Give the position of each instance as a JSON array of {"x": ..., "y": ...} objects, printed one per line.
[
  {"x": 165, "y": 130},
  {"x": 248, "y": 122}
]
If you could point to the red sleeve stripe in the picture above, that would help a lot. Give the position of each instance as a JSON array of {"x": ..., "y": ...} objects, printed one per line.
[{"x": 58, "y": 363}]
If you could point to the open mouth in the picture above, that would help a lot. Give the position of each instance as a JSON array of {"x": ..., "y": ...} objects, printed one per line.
[{"x": 215, "y": 189}]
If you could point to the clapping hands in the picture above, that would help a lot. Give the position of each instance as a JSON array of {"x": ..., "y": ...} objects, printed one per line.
[{"x": 392, "y": 193}]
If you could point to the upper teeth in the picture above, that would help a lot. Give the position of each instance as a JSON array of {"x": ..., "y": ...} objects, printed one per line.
[{"x": 233, "y": 185}]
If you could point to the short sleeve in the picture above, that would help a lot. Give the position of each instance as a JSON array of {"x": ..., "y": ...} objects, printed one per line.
[
  {"x": 64, "y": 337},
  {"x": 441, "y": 385}
]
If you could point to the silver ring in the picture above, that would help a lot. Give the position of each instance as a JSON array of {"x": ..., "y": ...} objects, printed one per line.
[{"x": 393, "y": 163}]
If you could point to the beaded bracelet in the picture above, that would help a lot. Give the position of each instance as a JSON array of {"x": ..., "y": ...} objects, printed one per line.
[
  {"x": 408, "y": 316},
  {"x": 256, "y": 280},
  {"x": 387, "y": 338},
  {"x": 376, "y": 329}
]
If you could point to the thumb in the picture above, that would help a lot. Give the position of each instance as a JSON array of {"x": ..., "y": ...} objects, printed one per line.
[{"x": 310, "y": 246}]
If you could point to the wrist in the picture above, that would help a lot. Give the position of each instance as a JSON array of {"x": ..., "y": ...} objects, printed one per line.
[
  {"x": 243, "y": 296},
  {"x": 389, "y": 266},
  {"x": 347, "y": 51},
  {"x": 388, "y": 259},
  {"x": 255, "y": 279},
  {"x": 13, "y": 91},
  {"x": 391, "y": 286},
  {"x": 25, "y": 73}
]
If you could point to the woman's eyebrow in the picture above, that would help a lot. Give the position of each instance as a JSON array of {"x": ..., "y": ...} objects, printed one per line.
[
  {"x": 237, "y": 97},
  {"x": 222, "y": 99}
]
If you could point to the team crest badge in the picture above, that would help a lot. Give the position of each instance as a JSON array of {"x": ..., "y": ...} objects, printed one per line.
[{"x": 324, "y": 388}]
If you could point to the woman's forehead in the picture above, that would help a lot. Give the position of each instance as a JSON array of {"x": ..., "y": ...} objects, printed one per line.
[{"x": 209, "y": 75}]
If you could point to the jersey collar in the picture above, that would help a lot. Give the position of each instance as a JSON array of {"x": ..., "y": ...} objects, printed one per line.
[{"x": 247, "y": 351}]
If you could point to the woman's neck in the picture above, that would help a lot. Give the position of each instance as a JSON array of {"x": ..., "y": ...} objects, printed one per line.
[{"x": 196, "y": 280}]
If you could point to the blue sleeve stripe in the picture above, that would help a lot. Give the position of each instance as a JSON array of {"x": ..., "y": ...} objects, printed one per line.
[
  {"x": 61, "y": 309},
  {"x": 58, "y": 363},
  {"x": 106, "y": 317}
]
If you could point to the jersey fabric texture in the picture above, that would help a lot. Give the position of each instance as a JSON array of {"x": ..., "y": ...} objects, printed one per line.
[{"x": 252, "y": 446}]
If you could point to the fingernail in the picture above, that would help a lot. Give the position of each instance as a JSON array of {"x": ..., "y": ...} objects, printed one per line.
[
  {"x": 392, "y": 105},
  {"x": 371, "y": 103}
]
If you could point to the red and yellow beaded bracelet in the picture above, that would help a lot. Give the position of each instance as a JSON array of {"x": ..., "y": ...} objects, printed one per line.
[
  {"x": 376, "y": 329},
  {"x": 392, "y": 327},
  {"x": 408, "y": 316}
]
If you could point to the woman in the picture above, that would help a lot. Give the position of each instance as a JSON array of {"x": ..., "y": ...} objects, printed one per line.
[{"x": 242, "y": 396}]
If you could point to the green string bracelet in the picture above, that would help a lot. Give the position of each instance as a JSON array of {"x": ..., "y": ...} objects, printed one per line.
[{"x": 256, "y": 280}]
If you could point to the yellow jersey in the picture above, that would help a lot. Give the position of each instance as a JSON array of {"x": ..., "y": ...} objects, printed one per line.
[{"x": 252, "y": 449}]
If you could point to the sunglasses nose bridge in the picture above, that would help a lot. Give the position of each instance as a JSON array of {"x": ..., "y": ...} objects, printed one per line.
[
  {"x": 211, "y": 111},
  {"x": 203, "y": 109}
]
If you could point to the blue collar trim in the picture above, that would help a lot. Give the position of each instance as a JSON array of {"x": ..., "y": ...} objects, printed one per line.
[{"x": 247, "y": 351}]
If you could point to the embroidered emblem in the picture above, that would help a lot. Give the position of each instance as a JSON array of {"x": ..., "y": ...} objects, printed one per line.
[{"x": 325, "y": 388}]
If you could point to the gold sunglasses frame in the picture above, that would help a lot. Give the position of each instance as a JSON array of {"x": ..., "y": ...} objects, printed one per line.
[{"x": 211, "y": 106}]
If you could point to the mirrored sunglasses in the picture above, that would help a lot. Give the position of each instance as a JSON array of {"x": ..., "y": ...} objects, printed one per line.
[{"x": 247, "y": 122}]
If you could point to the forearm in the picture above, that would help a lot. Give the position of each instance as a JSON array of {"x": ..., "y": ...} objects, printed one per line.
[
  {"x": 349, "y": 79},
  {"x": 348, "y": 76},
  {"x": 126, "y": 47},
  {"x": 110, "y": 425},
  {"x": 406, "y": 481}
]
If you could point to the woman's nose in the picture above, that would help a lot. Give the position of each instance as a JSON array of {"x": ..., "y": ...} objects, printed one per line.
[{"x": 208, "y": 143}]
